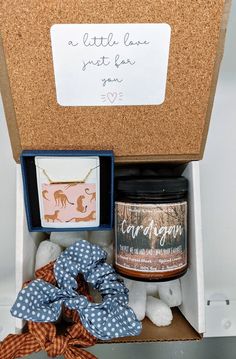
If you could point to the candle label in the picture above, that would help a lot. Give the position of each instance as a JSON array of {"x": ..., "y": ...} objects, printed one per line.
[
  {"x": 151, "y": 238},
  {"x": 110, "y": 64}
]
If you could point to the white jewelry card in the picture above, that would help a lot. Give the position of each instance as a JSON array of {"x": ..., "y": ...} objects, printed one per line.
[
  {"x": 110, "y": 64},
  {"x": 69, "y": 191}
]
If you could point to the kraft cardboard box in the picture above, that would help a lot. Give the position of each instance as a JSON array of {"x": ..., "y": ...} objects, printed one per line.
[
  {"x": 151, "y": 102},
  {"x": 189, "y": 319},
  {"x": 158, "y": 107}
]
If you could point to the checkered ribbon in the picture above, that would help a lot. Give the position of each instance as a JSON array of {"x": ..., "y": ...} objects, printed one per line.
[{"x": 43, "y": 336}]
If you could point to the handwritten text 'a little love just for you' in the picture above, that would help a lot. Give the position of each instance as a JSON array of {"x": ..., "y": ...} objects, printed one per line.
[{"x": 104, "y": 61}]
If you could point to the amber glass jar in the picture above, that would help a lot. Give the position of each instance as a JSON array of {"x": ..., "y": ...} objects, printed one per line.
[{"x": 151, "y": 227}]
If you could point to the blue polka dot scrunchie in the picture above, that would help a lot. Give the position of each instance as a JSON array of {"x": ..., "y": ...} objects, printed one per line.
[{"x": 40, "y": 301}]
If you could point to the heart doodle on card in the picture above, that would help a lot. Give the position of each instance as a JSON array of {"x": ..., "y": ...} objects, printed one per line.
[{"x": 112, "y": 96}]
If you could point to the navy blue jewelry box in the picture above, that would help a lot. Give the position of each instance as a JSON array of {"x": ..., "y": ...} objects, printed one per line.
[{"x": 31, "y": 198}]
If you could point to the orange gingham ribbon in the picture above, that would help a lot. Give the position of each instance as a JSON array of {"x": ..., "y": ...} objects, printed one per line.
[{"x": 43, "y": 336}]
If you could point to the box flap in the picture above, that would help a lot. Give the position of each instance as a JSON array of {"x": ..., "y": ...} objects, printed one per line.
[
  {"x": 192, "y": 282},
  {"x": 174, "y": 130}
]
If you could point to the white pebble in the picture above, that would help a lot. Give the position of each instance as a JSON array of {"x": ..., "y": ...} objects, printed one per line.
[
  {"x": 101, "y": 238},
  {"x": 152, "y": 288},
  {"x": 158, "y": 312},
  {"x": 170, "y": 292},
  {"x": 110, "y": 254},
  {"x": 137, "y": 297},
  {"x": 66, "y": 239},
  {"x": 47, "y": 252}
]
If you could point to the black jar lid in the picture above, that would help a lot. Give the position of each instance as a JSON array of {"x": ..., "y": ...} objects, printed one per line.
[{"x": 152, "y": 185}]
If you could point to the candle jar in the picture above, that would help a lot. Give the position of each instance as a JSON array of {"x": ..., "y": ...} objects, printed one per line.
[{"x": 151, "y": 227}]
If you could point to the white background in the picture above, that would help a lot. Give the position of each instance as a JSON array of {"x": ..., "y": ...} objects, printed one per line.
[{"x": 218, "y": 185}]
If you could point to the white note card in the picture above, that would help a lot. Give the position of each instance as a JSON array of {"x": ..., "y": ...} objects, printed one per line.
[{"x": 110, "y": 64}]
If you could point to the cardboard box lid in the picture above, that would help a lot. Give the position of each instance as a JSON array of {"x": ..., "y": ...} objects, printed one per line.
[{"x": 174, "y": 130}]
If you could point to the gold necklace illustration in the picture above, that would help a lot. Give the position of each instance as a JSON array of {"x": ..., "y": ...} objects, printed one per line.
[{"x": 70, "y": 183}]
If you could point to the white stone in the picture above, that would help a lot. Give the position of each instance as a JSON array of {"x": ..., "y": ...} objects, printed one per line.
[
  {"x": 66, "y": 239},
  {"x": 46, "y": 252},
  {"x": 152, "y": 288},
  {"x": 137, "y": 297},
  {"x": 158, "y": 312},
  {"x": 110, "y": 254},
  {"x": 101, "y": 238},
  {"x": 170, "y": 292}
]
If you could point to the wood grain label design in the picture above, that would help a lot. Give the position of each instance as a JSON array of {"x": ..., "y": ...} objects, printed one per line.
[{"x": 151, "y": 238}]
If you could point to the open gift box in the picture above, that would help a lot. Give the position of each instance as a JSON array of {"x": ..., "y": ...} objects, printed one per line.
[
  {"x": 189, "y": 319},
  {"x": 171, "y": 130}
]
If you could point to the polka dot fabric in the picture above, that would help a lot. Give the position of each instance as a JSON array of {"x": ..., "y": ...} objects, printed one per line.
[{"x": 40, "y": 301}]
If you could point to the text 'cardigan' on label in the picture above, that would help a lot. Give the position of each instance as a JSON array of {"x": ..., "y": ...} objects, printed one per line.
[{"x": 151, "y": 238}]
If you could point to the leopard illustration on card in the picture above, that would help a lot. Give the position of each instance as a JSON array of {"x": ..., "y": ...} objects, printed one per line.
[{"x": 63, "y": 203}]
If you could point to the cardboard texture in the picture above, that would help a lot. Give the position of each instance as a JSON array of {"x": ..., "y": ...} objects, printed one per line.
[
  {"x": 175, "y": 130},
  {"x": 188, "y": 321},
  {"x": 179, "y": 329}
]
